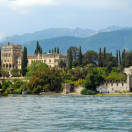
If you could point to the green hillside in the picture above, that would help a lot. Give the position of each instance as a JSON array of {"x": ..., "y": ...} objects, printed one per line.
[{"x": 112, "y": 40}]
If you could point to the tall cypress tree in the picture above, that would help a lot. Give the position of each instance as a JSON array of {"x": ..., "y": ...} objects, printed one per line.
[
  {"x": 80, "y": 56},
  {"x": 24, "y": 62},
  {"x": 70, "y": 59},
  {"x": 0, "y": 57},
  {"x": 58, "y": 50},
  {"x": 104, "y": 57},
  {"x": 124, "y": 58},
  {"x": 55, "y": 50},
  {"x": 117, "y": 57},
  {"x": 41, "y": 51},
  {"x": 100, "y": 58},
  {"x": 120, "y": 60},
  {"x": 49, "y": 51},
  {"x": 38, "y": 49}
]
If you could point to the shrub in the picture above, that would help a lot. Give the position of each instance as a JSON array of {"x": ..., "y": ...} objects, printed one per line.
[
  {"x": 79, "y": 82},
  {"x": 5, "y": 93},
  {"x": 16, "y": 73},
  {"x": 116, "y": 76},
  {"x": 5, "y": 85},
  {"x": 17, "y": 91},
  {"x": 93, "y": 79},
  {"x": 88, "y": 92}
]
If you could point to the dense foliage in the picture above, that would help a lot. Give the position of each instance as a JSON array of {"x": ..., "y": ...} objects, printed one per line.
[
  {"x": 89, "y": 70},
  {"x": 16, "y": 73},
  {"x": 15, "y": 87},
  {"x": 45, "y": 81}
]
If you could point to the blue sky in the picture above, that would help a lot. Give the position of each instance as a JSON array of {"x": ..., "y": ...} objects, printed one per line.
[{"x": 24, "y": 16}]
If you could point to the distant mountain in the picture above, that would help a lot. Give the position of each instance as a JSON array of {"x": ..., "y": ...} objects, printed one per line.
[
  {"x": 112, "y": 37},
  {"x": 111, "y": 28},
  {"x": 111, "y": 40},
  {"x": 58, "y": 32},
  {"x": 50, "y": 33}
]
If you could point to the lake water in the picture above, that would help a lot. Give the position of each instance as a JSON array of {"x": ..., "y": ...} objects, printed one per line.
[{"x": 56, "y": 113}]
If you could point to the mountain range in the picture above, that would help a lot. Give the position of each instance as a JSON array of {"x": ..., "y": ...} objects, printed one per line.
[{"x": 112, "y": 38}]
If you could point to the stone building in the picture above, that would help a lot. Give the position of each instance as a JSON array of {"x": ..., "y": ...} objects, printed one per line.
[
  {"x": 51, "y": 60},
  {"x": 11, "y": 57},
  {"x": 118, "y": 86}
]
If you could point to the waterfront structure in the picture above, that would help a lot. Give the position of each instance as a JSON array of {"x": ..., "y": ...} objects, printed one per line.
[
  {"x": 11, "y": 56},
  {"x": 118, "y": 86}
]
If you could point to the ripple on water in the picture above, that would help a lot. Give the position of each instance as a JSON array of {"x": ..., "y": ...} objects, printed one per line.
[{"x": 56, "y": 113}]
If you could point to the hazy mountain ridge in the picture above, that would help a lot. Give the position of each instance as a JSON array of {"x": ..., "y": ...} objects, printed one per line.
[
  {"x": 58, "y": 32},
  {"x": 111, "y": 40},
  {"x": 114, "y": 38},
  {"x": 50, "y": 33}
]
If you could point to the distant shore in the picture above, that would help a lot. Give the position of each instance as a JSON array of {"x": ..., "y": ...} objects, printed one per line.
[
  {"x": 75, "y": 94},
  {"x": 115, "y": 93}
]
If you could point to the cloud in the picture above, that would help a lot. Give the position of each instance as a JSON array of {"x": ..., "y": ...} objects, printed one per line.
[
  {"x": 24, "y": 5},
  {"x": 31, "y": 3},
  {"x": 99, "y": 4},
  {"x": 117, "y": 4}
]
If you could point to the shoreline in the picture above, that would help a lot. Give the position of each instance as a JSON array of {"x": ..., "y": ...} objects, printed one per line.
[
  {"x": 130, "y": 93},
  {"x": 74, "y": 94}
]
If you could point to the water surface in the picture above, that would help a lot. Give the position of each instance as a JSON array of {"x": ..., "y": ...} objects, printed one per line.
[{"x": 56, "y": 113}]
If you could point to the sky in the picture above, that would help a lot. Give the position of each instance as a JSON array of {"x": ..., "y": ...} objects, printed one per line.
[{"x": 26, "y": 16}]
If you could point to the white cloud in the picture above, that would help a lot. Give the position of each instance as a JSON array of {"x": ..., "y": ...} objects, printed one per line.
[
  {"x": 31, "y": 3},
  {"x": 99, "y": 4},
  {"x": 24, "y": 5}
]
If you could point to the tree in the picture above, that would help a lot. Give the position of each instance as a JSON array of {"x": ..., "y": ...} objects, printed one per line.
[
  {"x": 104, "y": 57},
  {"x": 49, "y": 51},
  {"x": 55, "y": 50},
  {"x": 70, "y": 59},
  {"x": 41, "y": 51},
  {"x": 120, "y": 59},
  {"x": 24, "y": 62},
  {"x": 46, "y": 80},
  {"x": 90, "y": 57},
  {"x": 100, "y": 58},
  {"x": 110, "y": 61},
  {"x": 58, "y": 50},
  {"x": 93, "y": 79},
  {"x": 62, "y": 64},
  {"x": 117, "y": 57},
  {"x": 128, "y": 59},
  {"x": 38, "y": 49},
  {"x": 124, "y": 57},
  {"x": 75, "y": 55},
  {"x": 80, "y": 57},
  {"x": 35, "y": 66},
  {"x": 0, "y": 57}
]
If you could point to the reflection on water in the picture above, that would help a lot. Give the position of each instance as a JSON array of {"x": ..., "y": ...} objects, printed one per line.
[{"x": 56, "y": 113}]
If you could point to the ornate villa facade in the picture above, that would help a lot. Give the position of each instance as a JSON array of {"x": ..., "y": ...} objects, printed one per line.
[{"x": 11, "y": 57}]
